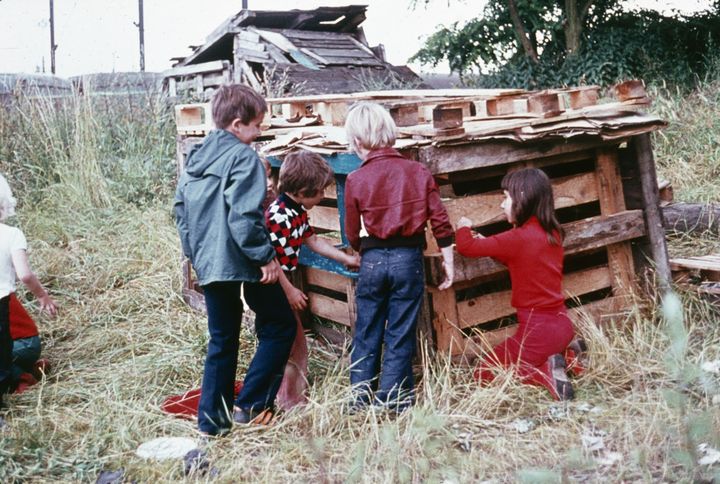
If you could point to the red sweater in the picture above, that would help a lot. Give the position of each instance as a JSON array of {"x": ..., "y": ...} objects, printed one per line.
[
  {"x": 395, "y": 198},
  {"x": 21, "y": 324},
  {"x": 535, "y": 266}
]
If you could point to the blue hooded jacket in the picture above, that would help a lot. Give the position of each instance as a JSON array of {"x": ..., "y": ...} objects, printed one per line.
[{"x": 218, "y": 210}]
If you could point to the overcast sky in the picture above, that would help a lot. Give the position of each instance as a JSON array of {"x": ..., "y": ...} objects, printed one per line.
[{"x": 100, "y": 35}]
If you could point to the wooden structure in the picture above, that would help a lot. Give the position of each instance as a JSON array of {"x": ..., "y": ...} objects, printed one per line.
[
  {"x": 277, "y": 52},
  {"x": 598, "y": 157}
]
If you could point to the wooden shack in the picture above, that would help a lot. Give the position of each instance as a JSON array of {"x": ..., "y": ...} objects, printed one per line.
[
  {"x": 280, "y": 52},
  {"x": 598, "y": 157}
]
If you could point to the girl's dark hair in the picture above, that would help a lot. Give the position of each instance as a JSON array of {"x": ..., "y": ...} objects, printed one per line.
[{"x": 532, "y": 194}]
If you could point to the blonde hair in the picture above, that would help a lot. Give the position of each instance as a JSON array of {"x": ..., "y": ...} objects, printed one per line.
[
  {"x": 370, "y": 126},
  {"x": 7, "y": 201}
]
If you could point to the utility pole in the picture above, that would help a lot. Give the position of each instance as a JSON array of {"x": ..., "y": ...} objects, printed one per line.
[
  {"x": 141, "y": 28},
  {"x": 244, "y": 4},
  {"x": 52, "y": 38}
]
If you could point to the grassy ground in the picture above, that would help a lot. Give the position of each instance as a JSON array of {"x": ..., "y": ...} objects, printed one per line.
[{"x": 124, "y": 341}]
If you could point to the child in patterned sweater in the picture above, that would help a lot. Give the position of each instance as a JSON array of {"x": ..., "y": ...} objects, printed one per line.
[{"x": 302, "y": 181}]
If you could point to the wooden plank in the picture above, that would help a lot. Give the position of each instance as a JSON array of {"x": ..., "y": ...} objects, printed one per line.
[
  {"x": 325, "y": 218},
  {"x": 651, "y": 203},
  {"x": 485, "y": 208},
  {"x": 256, "y": 47},
  {"x": 249, "y": 74},
  {"x": 490, "y": 307},
  {"x": 581, "y": 236},
  {"x": 248, "y": 36},
  {"x": 328, "y": 308},
  {"x": 445, "y": 317},
  {"x": 212, "y": 66},
  {"x": 484, "y": 154},
  {"x": 342, "y": 53},
  {"x": 328, "y": 280},
  {"x": 706, "y": 263},
  {"x": 612, "y": 200},
  {"x": 447, "y": 117},
  {"x": 252, "y": 55}
]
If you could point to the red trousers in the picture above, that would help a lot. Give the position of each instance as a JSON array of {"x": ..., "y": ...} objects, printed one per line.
[{"x": 540, "y": 334}]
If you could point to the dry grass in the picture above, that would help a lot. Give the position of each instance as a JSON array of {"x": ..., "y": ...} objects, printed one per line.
[{"x": 124, "y": 341}]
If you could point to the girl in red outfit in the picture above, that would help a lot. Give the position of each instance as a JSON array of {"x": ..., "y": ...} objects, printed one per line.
[{"x": 532, "y": 251}]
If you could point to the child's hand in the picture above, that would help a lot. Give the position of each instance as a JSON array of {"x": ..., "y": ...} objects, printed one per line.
[
  {"x": 270, "y": 272},
  {"x": 464, "y": 222},
  {"x": 352, "y": 262},
  {"x": 48, "y": 305},
  {"x": 297, "y": 299}
]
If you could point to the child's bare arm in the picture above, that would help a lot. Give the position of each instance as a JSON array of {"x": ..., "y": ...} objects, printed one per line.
[
  {"x": 296, "y": 298},
  {"x": 325, "y": 248},
  {"x": 28, "y": 277}
]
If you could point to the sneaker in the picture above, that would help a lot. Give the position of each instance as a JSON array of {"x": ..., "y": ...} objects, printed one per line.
[
  {"x": 41, "y": 368},
  {"x": 253, "y": 417},
  {"x": 559, "y": 385},
  {"x": 576, "y": 356}
]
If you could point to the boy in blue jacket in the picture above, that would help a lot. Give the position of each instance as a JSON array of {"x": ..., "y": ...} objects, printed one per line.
[{"x": 221, "y": 225}]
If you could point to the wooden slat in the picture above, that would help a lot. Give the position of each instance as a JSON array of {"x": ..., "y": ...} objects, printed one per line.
[
  {"x": 445, "y": 317},
  {"x": 490, "y": 307},
  {"x": 612, "y": 200},
  {"x": 707, "y": 263},
  {"x": 485, "y": 208},
  {"x": 328, "y": 308},
  {"x": 325, "y": 218},
  {"x": 328, "y": 280},
  {"x": 461, "y": 157}
]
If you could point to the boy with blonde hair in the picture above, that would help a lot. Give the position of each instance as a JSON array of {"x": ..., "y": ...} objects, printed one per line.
[
  {"x": 388, "y": 202},
  {"x": 303, "y": 177},
  {"x": 221, "y": 226}
]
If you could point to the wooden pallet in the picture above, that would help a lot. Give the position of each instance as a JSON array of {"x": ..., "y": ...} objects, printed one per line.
[
  {"x": 706, "y": 268},
  {"x": 610, "y": 230}
]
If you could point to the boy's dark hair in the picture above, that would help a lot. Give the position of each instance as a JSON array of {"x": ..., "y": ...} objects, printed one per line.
[
  {"x": 532, "y": 194},
  {"x": 236, "y": 101},
  {"x": 305, "y": 173}
]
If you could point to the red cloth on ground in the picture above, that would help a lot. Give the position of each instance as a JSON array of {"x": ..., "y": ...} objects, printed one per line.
[
  {"x": 294, "y": 384},
  {"x": 21, "y": 324},
  {"x": 535, "y": 265},
  {"x": 186, "y": 405},
  {"x": 540, "y": 334}
]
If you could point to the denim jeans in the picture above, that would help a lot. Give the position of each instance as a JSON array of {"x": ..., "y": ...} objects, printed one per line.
[
  {"x": 5, "y": 346},
  {"x": 389, "y": 294},
  {"x": 275, "y": 329},
  {"x": 25, "y": 352}
]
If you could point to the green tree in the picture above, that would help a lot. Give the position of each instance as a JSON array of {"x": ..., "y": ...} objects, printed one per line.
[{"x": 539, "y": 43}]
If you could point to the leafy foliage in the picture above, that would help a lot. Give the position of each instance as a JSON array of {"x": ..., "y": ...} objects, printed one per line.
[{"x": 613, "y": 44}]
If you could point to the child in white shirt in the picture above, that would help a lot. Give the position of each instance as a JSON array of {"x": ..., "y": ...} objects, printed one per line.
[{"x": 14, "y": 262}]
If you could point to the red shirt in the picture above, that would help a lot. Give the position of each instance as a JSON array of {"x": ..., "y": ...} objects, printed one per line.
[
  {"x": 21, "y": 324},
  {"x": 394, "y": 198},
  {"x": 535, "y": 265}
]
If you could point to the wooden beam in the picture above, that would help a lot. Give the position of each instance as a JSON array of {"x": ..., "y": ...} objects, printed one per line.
[
  {"x": 653, "y": 216},
  {"x": 325, "y": 218},
  {"x": 485, "y": 208},
  {"x": 612, "y": 201},
  {"x": 490, "y": 307},
  {"x": 328, "y": 308},
  {"x": 445, "y": 319}
]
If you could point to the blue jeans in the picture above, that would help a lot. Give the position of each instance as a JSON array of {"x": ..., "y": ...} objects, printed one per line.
[
  {"x": 389, "y": 294},
  {"x": 275, "y": 328},
  {"x": 25, "y": 352}
]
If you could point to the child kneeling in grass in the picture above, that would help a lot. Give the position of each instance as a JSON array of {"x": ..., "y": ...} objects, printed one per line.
[
  {"x": 302, "y": 180},
  {"x": 388, "y": 203},
  {"x": 14, "y": 262},
  {"x": 533, "y": 253}
]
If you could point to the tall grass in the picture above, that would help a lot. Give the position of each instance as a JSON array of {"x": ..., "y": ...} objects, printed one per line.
[{"x": 105, "y": 244}]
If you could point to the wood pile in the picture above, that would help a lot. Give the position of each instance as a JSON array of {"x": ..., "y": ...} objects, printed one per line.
[{"x": 598, "y": 157}]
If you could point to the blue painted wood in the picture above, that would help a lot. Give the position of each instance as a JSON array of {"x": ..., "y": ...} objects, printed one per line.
[
  {"x": 308, "y": 258},
  {"x": 341, "y": 163}
]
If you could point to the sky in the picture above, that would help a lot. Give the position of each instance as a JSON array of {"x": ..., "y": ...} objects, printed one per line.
[{"x": 101, "y": 36}]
